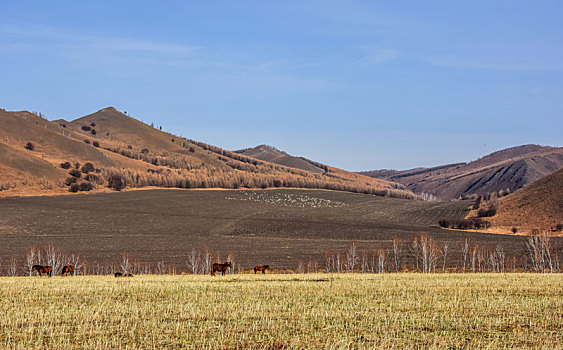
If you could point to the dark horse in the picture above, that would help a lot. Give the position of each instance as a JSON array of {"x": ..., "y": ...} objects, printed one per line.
[
  {"x": 261, "y": 268},
  {"x": 220, "y": 267},
  {"x": 42, "y": 270},
  {"x": 67, "y": 270}
]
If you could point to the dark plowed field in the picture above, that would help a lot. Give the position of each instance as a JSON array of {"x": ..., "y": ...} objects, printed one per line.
[{"x": 275, "y": 227}]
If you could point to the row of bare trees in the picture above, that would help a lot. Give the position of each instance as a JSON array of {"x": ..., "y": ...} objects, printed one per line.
[
  {"x": 49, "y": 256},
  {"x": 423, "y": 254},
  {"x": 420, "y": 254}
]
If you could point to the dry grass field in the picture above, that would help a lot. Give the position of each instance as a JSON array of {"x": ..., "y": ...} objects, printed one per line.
[{"x": 350, "y": 311}]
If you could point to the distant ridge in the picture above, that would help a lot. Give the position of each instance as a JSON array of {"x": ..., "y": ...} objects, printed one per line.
[
  {"x": 507, "y": 169},
  {"x": 274, "y": 155},
  {"x": 133, "y": 154}
]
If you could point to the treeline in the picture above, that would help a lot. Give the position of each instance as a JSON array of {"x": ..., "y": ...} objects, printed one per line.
[
  {"x": 422, "y": 253},
  {"x": 464, "y": 224},
  {"x": 208, "y": 177}
]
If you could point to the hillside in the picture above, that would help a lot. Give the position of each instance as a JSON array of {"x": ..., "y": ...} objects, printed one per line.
[
  {"x": 508, "y": 169},
  {"x": 273, "y": 155},
  {"x": 539, "y": 205},
  {"x": 136, "y": 155}
]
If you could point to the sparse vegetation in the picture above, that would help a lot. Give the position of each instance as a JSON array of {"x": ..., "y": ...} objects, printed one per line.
[
  {"x": 65, "y": 165},
  {"x": 29, "y": 146},
  {"x": 74, "y": 188},
  {"x": 86, "y": 186},
  {"x": 87, "y": 167},
  {"x": 70, "y": 180},
  {"x": 96, "y": 144},
  {"x": 86, "y": 128},
  {"x": 86, "y": 141},
  {"x": 116, "y": 182},
  {"x": 76, "y": 173}
]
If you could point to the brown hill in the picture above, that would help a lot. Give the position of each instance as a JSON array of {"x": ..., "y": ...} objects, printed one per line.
[
  {"x": 508, "y": 169},
  {"x": 274, "y": 155},
  {"x": 537, "y": 206},
  {"x": 130, "y": 152}
]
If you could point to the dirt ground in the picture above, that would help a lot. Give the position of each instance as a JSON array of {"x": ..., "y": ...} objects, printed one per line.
[{"x": 275, "y": 227}]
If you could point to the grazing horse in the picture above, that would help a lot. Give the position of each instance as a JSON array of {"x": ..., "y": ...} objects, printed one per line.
[
  {"x": 220, "y": 267},
  {"x": 261, "y": 268},
  {"x": 68, "y": 270},
  {"x": 42, "y": 270}
]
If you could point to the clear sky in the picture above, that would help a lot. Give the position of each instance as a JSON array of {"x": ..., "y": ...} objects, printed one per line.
[{"x": 355, "y": 84}]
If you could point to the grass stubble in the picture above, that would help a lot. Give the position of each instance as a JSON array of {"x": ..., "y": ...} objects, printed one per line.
[{"x": 283, "y": 311}]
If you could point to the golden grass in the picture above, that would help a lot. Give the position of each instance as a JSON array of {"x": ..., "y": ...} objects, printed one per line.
[{"x": 283, "y": 311}]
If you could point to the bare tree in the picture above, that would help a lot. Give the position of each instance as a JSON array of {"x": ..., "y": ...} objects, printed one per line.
[
  {"x": 300, "y": 267},
  {"x": 193, "y": 262},
  {"x": 380, "y": 261},
  {"x": 160, "y": 267},
  {"x": 501, "y": 257},
  {"x": 74, "y": 260},
  {"x": 444, "y": 250},
  {"x": 365, "y": 262},
  {"x": 54, "y": 258},
  {"x": 474, "y": 258},
  {"x": 231, "y": 258},
  {"x": 207, "y": 260},
  {"x": 465, "y": 253},
  {"x": 397, "y": 253},
  {"x": 13, "y": 267},
  {"x": 30, "y": 260},
  {"x": 126, "y": 264},
  {"x": 352, "y": 257},
  {"x": 539, "y": 252},
  {"x": 415, "y": 251},
  {"x": 312, "y": 266},
  {"x": 329, "y": 263}
]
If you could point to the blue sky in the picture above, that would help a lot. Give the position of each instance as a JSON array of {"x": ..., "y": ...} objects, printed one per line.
[{"x": 358, "y": 85}]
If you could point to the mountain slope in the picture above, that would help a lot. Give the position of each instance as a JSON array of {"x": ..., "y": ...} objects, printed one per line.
[
  {"x": 273, "y": 155},
  {"x": 508, "y": 169},
  {"x": 142, "y": 156},
  {"x": 539, "y": 205}
]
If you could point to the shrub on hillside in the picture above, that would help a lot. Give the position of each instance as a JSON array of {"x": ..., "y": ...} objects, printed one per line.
[
  {"x": 91, "y": 178},
  {"x": 74, "y": 188},
  {"x": 93, "y": 132},
  {"x": 70, "y": 180},
  {"x": 86, "y": 186},
  {"x": 75, "y": 173},
  {"x": 96, "y": 144},
  {"x": 86, "y": 141},
  {"x": 514, "y": 230},
  {"x": 487, "y": 212},
  {"x": 65, "y": 165},
  {"x": 29, "y": 146},
  {"x": 92, "y": 124},
  {"x": 88, "y": 167},
  {"x": 116, "y": 182},
  {"x": 145, "y": 151},
  {"x": 86, "y": 128}
]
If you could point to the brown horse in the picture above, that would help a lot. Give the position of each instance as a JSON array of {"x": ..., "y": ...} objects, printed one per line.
[
  {"x": 261, "y": 268},
  {"x": 42, "y": 270},
  {"x": 220, "y": 267},
  {"x": 68, "y": 270}
]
